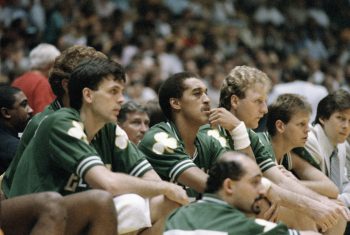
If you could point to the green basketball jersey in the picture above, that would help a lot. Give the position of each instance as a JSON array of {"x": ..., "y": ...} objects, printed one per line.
[
  {"x": 59, "y": 155},
  {"x": 166, "y": 152},
  {"x": 286, "y": 161},
  {"x": 263, "y": 155},
  {"x": 212, "y": 216},
  {"x": 24, "y": 141}
]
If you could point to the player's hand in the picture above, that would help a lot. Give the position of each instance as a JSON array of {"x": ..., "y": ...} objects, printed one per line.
[
  {"x": 224, "y": 118},
  {"x": 324, "y": 215},
  {"x": 340, "y": 208},
  {"x": 268, "y": 211},
  {"x": 176, "y": 193}
]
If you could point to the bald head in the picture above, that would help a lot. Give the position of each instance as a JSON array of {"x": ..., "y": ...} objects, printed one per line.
[{"x": 233, "y": 165}]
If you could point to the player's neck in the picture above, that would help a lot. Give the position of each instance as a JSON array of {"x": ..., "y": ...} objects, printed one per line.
[
  {"x": 91, "y": 123},
  {"x": 188, "y": 132},
  {"x": 280, "y": 147}
]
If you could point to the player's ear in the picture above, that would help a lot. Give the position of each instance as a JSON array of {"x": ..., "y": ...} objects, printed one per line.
[
  {"x": 229, "y": 186},
  {"x": 5, "y": 113},
  {"x": 87, "y": 95},
  {"x": 64, "y": 84},
  {"x": 280, "y": 127},
  {"x": 321, "y": 120},
  {"x": 175, "y": 103},
  {"x": 234, "y": 101}
]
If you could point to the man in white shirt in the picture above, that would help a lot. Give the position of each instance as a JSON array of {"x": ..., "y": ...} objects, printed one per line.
[{"x": 326, "y": 140}]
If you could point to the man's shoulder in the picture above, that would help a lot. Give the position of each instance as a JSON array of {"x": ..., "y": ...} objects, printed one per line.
[
  {"x": 65, "y": 113},
  {"x": 161, "y": 127},
  {"x": 55, "y": 119}
]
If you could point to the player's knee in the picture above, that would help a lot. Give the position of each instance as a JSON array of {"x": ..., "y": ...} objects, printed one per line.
[
  {"x": 100, "y": 198},
  {"x": 51, "y": 205}
]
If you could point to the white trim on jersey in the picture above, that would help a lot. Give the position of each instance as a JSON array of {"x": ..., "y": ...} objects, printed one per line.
[
  {"x": 137, "y": 171},
  {"x": 87, "y": 162},
  {"x": 180, "y": 166}
]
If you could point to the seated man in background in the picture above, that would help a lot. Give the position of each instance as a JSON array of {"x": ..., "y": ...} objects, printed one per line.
[
  {"x": 75, "y": 149},
  {"x": 234, "y": 189},
  {"x": 326, "y": 141},
  {"x": 15, "y": 113},
  {"x": 134, "y": 120}
]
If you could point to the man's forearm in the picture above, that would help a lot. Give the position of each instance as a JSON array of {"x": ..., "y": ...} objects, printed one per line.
[
  {"x": 276, "y": 176},
  {"x": 322, "y": 188}
]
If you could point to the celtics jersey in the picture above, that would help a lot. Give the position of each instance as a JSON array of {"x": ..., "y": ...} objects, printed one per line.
[
  {"x": 166, "y": 152},
  {"x": 24, "y": 141},
  {"x": 263, "y": 155},
  {"x": 59, "y": 155},
  {"x": 286, "y": 160},
  {"x": 218, "y": 218}
]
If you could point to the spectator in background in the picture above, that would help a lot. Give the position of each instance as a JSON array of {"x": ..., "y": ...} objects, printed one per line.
[
  {"x": 134, "y": 119},
  {"x": 298, "y": 84},
  {"x": 154, "y": 112},
  {"x": 34, "y": 83},
  {"x": 14, "y": 115}
]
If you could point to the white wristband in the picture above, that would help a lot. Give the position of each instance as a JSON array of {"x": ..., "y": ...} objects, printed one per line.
[
  {"x": 266, "y": 183},
  {"x": 240, "y": 137}
]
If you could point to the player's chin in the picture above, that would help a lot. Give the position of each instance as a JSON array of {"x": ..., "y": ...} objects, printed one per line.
[
  {"x": 112, "y": 119},
  {"x": 205, "y": 120}
]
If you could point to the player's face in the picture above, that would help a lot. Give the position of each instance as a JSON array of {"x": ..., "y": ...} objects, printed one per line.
[
  {"x": 249, "y": 189},
  {"x": 296, "y": 130},
  {"x": 337, "y": 127},
  {"x": 136, "y": 125},
  {"x": 20, "y": 112},
  {"x": 253, "y": 107},
  {"x": 107, "y": 99},
  {"x": 195, "y": 103}
]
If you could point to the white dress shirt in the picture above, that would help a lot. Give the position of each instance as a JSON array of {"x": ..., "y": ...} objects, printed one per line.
[{"x": 321, "y": 149}]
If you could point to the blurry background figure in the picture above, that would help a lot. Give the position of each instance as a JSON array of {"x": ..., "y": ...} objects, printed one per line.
[
  {"x": 14, "y": 115},
  {"x": 134, "y": 120},
  {"x": 34, "y": 83},
  {"x": 154, "y": 112},
  {"x": 296, "y": 82}
]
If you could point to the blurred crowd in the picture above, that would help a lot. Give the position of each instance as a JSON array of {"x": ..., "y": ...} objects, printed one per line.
[{"x": 153, "y": 39}]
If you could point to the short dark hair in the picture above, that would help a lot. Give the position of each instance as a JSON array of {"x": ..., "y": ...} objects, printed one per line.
[
  {"x": 66, "y": 62},
  {"x": 89, "y": 74},
  {"x": 7, "y": 96},
  {"x": 333, "y": 102},
  {"x": 284, "y": 108},
  {"x": 221, "y": 170},
  {"x": 130, "y": 107},
  {"x": 173, "y": 87}
]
